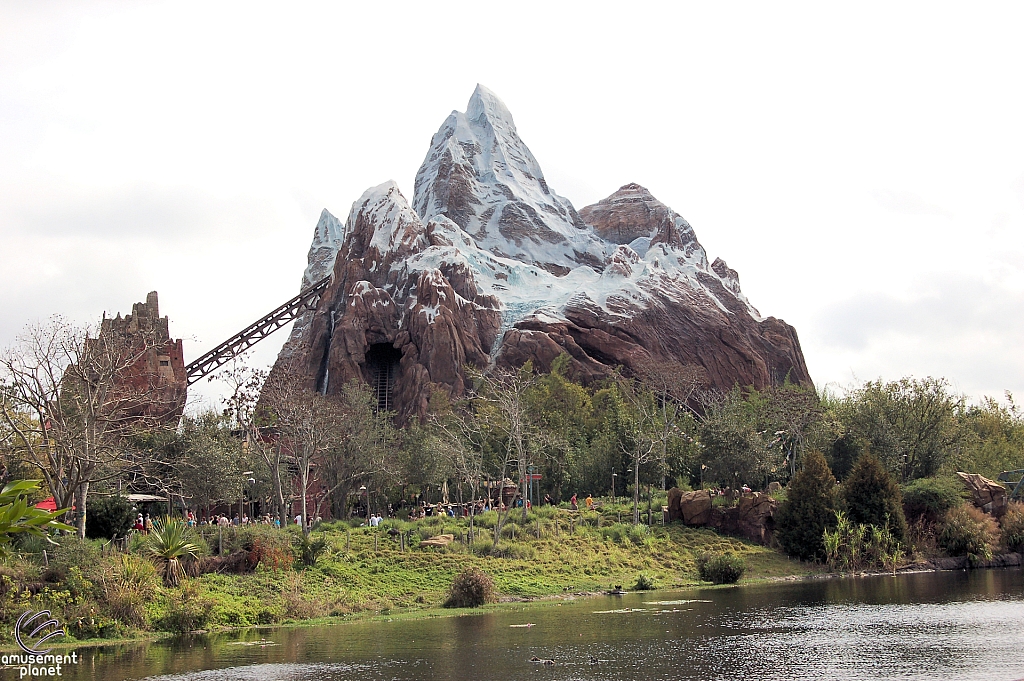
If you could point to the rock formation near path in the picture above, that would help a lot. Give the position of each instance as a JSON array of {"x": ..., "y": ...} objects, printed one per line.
[
  {"x": 488, "y": 265},
  {"x": 753, "y": 516}
]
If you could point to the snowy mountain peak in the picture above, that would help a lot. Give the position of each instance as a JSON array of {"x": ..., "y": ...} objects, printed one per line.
[
  {"x": 483, "y": 177},
  {"x": 327, "y": 238},
  {"x": 633, "y": 213},
  {"x": 485, "y": 105},
  {"x": 381, "y": 218}
]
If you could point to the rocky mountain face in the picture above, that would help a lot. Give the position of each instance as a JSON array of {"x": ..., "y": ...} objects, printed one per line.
[
  {"x": 489, "y": 266},
  {"x": 327, "y": 238}
]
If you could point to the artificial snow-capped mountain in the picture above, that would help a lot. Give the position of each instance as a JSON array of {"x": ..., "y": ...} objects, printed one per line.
[
  {"x": 327, "y": 238},
  {"x": 489, "y": 265},
  {"x": 480, "y": 175}
]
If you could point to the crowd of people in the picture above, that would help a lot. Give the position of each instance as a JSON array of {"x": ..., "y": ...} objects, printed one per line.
[{"x": 417, "y": 509}]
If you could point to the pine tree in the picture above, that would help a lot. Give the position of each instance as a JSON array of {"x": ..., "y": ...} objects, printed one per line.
[
  {"x": 808, "y": 510},
  {"x": 872, "y": 497}
]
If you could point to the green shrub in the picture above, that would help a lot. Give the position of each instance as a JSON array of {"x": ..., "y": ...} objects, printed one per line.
[
  {"x": 265, "y": 545},
  {"x": 931, "y": 499},
  {"x": 968, "y": 531},
  {"x": 482, "y": 545},
  {"x": 639, "y": 534},
  {"x": 188, "y": 610},
  {"x": 108, "y": 517},
  {"x": 809, "y": 509},
  {"x": 72, "y": 552},
  {"x": 309, "y": 549},
  {"x": 173, "y": 546},
  {"x": 855, "y": 546},
  {"x": 133, "y": 584},
  {"x": 137, "y": 543},
  {"x": 615, "y": 533},
  {"x": 515, "y": 550},
  {"x": 1012, "y": 525},
  {"x": 644, "y": 582},
  {"x": 720, "y": 568},
  {"x": 486, "y": 520},
  {"x": 470, "y": 589},
  {"x": 872, "y": 497}
]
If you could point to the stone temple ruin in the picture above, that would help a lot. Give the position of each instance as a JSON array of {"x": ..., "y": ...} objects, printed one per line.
[{"x": 156, "y": 371}]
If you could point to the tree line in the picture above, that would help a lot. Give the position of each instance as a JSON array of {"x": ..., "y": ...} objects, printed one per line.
[{"x": 68, "y": 420}]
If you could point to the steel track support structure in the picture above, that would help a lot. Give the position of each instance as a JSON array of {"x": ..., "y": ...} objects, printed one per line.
[{"x": 306, "y": 301}]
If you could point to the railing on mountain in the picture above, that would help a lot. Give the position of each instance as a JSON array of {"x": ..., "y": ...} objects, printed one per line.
[
  {"x": 306, "y": 301},
  {"x": 1014, "y": 481}
]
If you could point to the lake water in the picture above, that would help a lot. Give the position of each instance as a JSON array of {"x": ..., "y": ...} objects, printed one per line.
[{"x": 950, "y": 625}]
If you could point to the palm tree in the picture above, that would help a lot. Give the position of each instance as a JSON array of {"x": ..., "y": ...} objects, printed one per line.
[{"x": 170, "y": 545}]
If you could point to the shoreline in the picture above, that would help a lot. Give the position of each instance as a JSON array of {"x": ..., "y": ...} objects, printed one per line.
[{"x": 1004, "y": 561}]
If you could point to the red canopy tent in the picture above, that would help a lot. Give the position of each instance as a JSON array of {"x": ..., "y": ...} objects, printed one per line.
[{"x": 47, "y": 504}]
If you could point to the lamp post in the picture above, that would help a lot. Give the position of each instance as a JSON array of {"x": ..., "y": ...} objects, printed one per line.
[
  {"x": 252, "y": 484},
  {"x": 614, "y": 475},
  {"x": 241, "y": 499}
]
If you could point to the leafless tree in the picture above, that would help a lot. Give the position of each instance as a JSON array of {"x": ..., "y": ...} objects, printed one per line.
[
  {"x": 503, "y": 409},
  {"x": 71, "y": 398},
  {"x": 677, "y": 387},
  {"x": 456, "y": 439},
  {"x": 331, "y": 441},
  {"x": 363, "y": 447},
  {"x": 642, "y": 432},
  {"x": 302, "y": 421}
]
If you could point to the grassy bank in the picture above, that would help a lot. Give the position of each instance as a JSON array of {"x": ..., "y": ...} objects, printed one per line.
[{"x": 363, "y": 571}]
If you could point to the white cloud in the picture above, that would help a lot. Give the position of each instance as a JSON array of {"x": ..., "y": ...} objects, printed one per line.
[
  {"x": 860, "y": 166},
  {"x": 907, "y": 202}
]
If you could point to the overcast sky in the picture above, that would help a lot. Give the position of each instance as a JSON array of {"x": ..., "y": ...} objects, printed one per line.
[{"x": 861, "y": 168}]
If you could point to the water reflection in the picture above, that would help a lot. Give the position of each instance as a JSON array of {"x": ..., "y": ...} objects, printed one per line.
[{"x": 927, "y": 626}]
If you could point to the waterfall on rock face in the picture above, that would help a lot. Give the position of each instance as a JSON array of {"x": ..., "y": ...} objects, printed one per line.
[
  {"x": 382, "y": 363},
  {"x": 325, "y": 368}
]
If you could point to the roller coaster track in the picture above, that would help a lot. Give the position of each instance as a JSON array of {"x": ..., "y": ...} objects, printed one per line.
[{"x": 306, "y": 301}]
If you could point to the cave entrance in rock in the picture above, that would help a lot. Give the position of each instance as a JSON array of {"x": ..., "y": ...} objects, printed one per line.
[{"x": 381, "y": 371}]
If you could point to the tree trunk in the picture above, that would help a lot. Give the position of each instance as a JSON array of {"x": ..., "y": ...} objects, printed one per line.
[
  {"x": 304, "y": 478},
  {"x": 279, "y": 493},
  {"x": 636, "y": 491},
  {"x": 524, "y": 482},
  {"x": 83, "y": 495}
]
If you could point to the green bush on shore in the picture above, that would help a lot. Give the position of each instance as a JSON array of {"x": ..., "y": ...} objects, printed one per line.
[
  {"x": 720, "y": 568},
  {"x": 872, "y": 498},
  {"x": 472, "y": 588},
  {"x": 968, "y": 531},
  {"x": 931, "y": 499},
  {"x": 809, "y": 509},
  {"x": 1012, "y": 528}
]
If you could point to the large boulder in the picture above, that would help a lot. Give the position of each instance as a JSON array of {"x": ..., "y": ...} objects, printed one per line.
[
  {"x": 695, "y": 508},
  {"x": 673, "y": 510},
  {"x": 757, "y": 517},
  {"x": 988, "y": 495},
  {"x": 753, "y": 517}
]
